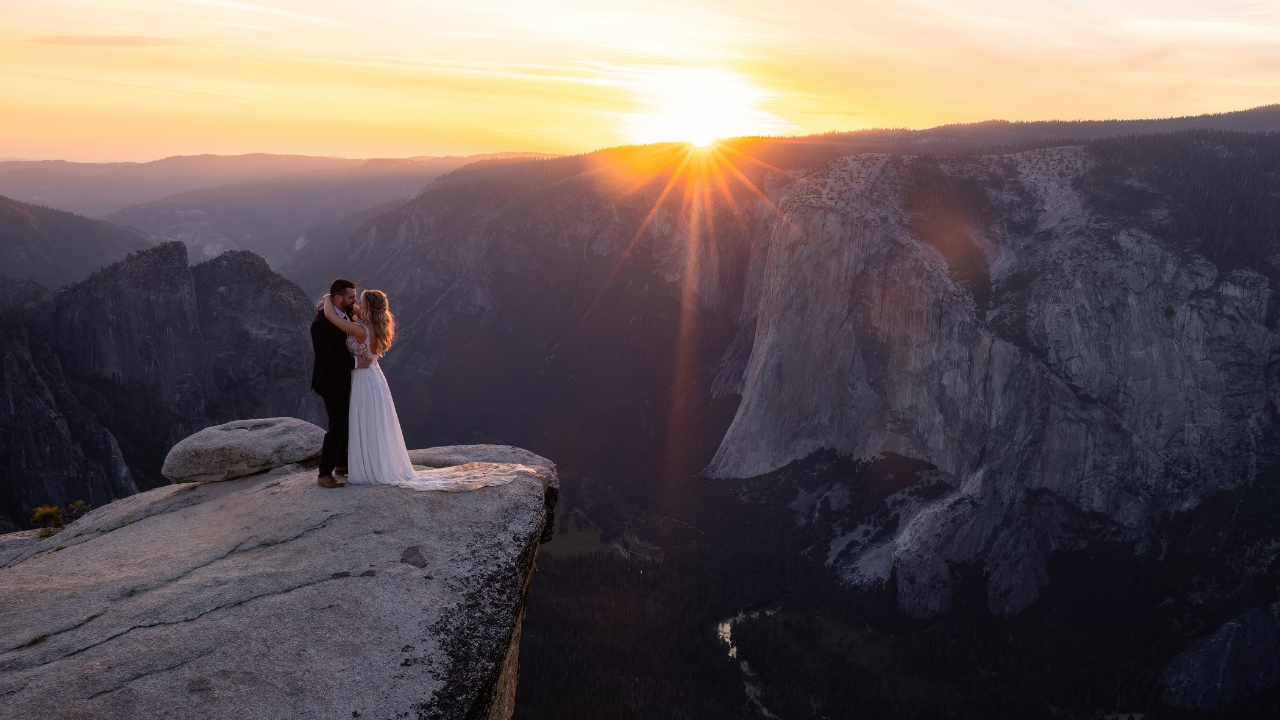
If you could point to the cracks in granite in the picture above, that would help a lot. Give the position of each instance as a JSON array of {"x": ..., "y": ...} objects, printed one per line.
[
  {"x": 133, "y": 592},
  {"x": 224, "y": 606},
  {"x": 139, "y": 676},
  {"x": 42, "y": 638}
]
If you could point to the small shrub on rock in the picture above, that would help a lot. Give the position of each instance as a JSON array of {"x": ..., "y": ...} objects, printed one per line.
[{"x": 49, "y": 519}]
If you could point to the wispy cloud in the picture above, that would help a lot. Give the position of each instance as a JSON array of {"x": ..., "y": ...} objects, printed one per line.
[
  {"x": 107, "y": 40},
  {"x": 263, "y": 10},
  {"x": 118, "y": 83}
]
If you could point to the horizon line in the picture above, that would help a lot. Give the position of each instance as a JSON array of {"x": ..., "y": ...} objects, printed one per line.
[{"x": 542, "y": 154}]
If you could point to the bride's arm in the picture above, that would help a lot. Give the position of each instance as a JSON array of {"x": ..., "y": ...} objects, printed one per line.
[{"x": 346, "y": 326}]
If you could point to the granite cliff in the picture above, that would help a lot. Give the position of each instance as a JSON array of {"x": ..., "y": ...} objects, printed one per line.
[
  {"x": 265, "y": 596},
  {"x": 55, "y": 450},
  {"x": 1066, "y": 372},
  {"x": 106, "y": 374}
]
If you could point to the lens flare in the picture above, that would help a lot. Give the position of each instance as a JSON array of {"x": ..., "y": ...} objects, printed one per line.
[{"x": 698, "y": 203}]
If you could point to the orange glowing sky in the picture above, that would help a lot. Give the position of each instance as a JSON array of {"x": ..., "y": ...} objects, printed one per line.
[{"x": 142, "y": 79}]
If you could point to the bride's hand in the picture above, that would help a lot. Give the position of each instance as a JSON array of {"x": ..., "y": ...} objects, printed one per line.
[{"x": 320, "y": 305}]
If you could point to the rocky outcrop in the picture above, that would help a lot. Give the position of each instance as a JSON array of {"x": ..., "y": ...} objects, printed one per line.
[
  {"x": 242, "y": 447},
  {"x": 269, "y": 597},
  {"x": 53, "y": 449},
  {"x": 254, "y": 340},
  {"x": 1235, "y": 661},
  {"x": 160, "y": 350},
  {"x": 107, "y": 374},
  {"x": 16, "y": 544},
  {"x": 1071, "y": 376}
]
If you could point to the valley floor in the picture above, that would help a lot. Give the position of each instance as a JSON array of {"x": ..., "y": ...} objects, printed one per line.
[{"x": 608, "y": 636}]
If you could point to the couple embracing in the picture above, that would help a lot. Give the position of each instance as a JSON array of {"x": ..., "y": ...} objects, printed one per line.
[{"x": 349, "y": 334}]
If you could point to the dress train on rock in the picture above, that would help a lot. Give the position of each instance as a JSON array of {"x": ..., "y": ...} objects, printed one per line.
[{"x": 376, "y": 451}]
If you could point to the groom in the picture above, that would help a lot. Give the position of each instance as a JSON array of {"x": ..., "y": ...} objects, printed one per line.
[{"x": 331, "y": 379}]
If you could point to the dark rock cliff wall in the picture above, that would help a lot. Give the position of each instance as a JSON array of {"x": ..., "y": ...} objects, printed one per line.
[
  {"x": 105, "y": 375},
  {"x": 1074, "y": 374},
  {"x": 129, "y": 337},
  {"x": 55, "y": 451},
  {"x": 254, "y": 342}
]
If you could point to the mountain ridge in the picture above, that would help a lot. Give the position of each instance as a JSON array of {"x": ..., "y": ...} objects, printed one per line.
[
  {"x": 106, "y": 374},
  {"x": 55, "y": 247}
]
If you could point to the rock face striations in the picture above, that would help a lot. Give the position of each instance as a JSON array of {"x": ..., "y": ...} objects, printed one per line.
[
  {"x": 268, "y": 597},
  {"x": 254, "y": 341},
  {"x": 105, "y": 375},
  {"x": 1073, "y": 367},
  {"x": 53, "y": 449}
]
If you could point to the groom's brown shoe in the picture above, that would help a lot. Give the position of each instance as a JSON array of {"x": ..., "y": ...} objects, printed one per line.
[
  {"x": 327, "y": 481},
  {"x": 339, "y": 471}
]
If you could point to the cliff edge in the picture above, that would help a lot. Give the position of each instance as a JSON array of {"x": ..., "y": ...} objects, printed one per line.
[{"x": 266, "y": 596}]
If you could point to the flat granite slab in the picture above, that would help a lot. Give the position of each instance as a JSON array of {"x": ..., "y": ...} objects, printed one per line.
[{"x": 270, "y": 597}]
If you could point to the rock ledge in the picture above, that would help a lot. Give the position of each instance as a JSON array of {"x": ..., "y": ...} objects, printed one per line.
[{"x": 267, "y": 596}]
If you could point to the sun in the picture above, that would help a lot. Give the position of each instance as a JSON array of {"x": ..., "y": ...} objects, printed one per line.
[{"x": 698, "y": 106}]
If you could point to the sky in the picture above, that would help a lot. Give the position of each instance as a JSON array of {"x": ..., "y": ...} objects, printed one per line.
[{"x": 109, "y": 80}]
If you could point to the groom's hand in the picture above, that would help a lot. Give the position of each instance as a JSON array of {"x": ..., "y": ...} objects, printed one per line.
[{"x": 363, "y": 362}]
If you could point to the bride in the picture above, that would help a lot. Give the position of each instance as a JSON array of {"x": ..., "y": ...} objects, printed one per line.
[{"x": 376, "y": 449}]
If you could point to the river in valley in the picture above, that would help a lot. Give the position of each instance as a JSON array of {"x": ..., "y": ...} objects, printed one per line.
[{"x": 724, "y": 631}]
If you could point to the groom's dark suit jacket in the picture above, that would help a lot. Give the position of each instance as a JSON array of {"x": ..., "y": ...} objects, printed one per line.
[{"x": 331, "y": 373}]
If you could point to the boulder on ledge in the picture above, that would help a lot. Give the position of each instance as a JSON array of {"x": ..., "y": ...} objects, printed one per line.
[
  {"x": 242, "y": 447},
  {"x": 270, "y": 597}
]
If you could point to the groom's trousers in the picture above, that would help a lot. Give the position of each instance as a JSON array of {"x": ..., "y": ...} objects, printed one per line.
[{"x": 333, "y": 453}]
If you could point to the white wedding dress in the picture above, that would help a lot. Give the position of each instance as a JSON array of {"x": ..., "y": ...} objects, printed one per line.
[{"x": 376, "y": 453}]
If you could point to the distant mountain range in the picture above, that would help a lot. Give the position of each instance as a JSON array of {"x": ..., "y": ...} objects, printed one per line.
[
  {"x": 270, "y": 216},
  {"x": 95, "y": 189},
  {"x": 983, "y": 137},
  {"x": 54, "y": 247}
]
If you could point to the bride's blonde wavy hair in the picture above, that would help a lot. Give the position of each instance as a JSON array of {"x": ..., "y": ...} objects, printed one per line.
[{"x": 379, "y": 317}]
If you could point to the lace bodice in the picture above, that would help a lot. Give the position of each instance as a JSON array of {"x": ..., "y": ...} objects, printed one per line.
[{"x": 361, "y": 349}]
